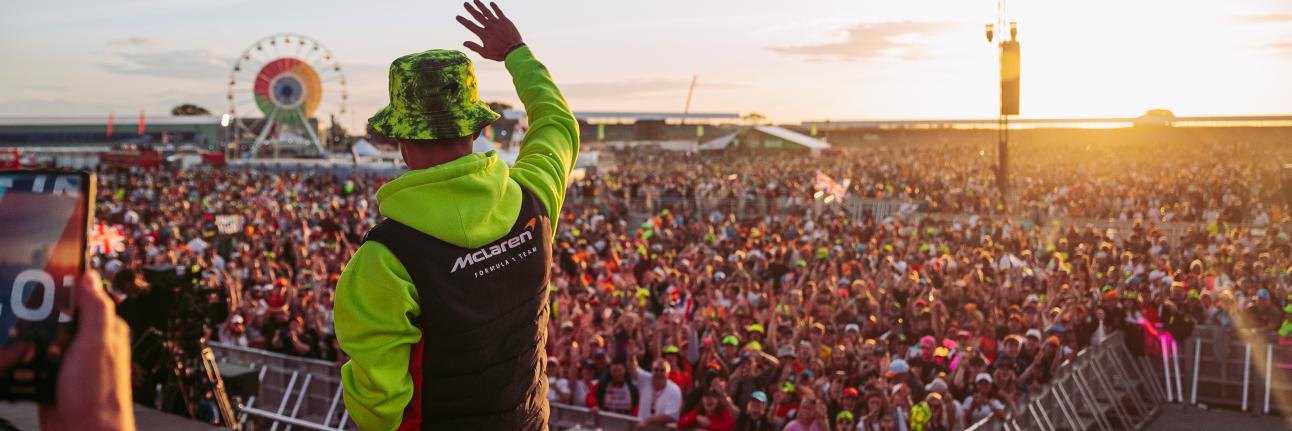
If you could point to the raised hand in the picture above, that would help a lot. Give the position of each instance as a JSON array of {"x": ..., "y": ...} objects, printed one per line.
[{"x": 497, "y": 34}]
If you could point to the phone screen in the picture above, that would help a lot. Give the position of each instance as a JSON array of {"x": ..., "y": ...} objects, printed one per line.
[{"x": 44, "y": 223}]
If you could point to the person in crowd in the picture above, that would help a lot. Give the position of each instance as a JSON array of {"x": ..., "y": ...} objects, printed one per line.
[
  {"x": 617, "y": 393},
  {"x": 810, "y": 417},
  {"x": 983, "y": 403},
  {"x": 755, "y": 416},
  {"x": 558, "y": 386},
  {"x": 711, "y": 415},
  {"x": 661, "y": 399}
]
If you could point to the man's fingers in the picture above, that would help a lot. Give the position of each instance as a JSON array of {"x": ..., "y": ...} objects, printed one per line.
[
  {"x": 476, "y": 13},
  {"x": 474, "y": 47},
  {"x": 485, "y": 10},
  {"x": 478, "y": 30},
  {"x": 497, "y": 11},
  {"x": 92, "y": 303}
]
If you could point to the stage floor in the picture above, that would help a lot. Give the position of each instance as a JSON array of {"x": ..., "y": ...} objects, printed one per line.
[
  {"x": 23, "y": 416},
  {"x": 1175, "y": 417}
]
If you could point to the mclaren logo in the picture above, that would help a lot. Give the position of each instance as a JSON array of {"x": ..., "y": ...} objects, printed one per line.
[{"x": 495, "y": 250}]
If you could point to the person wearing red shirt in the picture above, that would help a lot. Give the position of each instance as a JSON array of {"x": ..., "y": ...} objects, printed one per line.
[
  {"x": 680, "y": 372},
  {"x": 710, "y": 415}
]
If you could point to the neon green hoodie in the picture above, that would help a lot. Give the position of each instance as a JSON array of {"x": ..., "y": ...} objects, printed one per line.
[{"x": 468, "y": 202}]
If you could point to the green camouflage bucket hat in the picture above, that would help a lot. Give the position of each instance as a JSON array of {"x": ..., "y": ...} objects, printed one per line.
[{"x": 432, "y": 96}]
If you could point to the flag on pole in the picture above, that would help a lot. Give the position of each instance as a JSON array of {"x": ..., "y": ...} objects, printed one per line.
[
  {"x": 141, "y": 122},
  {"x": 699, "y": 131},
  {"x": 109, "y": 124},
  {"x": 601, "y": 132}
]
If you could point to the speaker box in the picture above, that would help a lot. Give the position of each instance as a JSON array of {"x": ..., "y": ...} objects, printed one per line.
[
  {"x": 239, "y": 381},
  {"x": 1009, "y": 77}
]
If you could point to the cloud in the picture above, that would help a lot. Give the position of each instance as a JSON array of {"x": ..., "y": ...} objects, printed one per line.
[
  {"x": 192, "y": 64},
  {"x": 1265, "y": 19},
  {"x": 635, "y": 87},
  {"x": 872, "y": 40},
  {"x": 50, "y": 88},
  {"x": 52, "y": 106},
  {"x": 1281, "y": 46},
  {"x": 134, "y": 41}
]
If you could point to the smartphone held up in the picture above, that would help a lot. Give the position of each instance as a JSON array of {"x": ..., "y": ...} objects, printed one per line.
[{"x": 44, "y": 227}]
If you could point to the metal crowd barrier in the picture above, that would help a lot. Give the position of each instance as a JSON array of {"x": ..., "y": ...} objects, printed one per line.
[
  {"x": 574, "y": 418},
  {"x": 1227, "y": 368},
  {"x": 1104, "y": 388},
  {"x": 859, "y": 209},
  {"x": 294, "y": 391},
  {"x": 302, "y": 393},
  {"x": 1108, "y": 388}
]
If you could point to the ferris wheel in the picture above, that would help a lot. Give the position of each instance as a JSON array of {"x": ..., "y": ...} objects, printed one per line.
[{"x": 289, "y": 79}]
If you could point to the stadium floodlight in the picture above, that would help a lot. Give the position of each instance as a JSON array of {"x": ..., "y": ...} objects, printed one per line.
[
  {"x": 990, "y": 28},
  {"x": 1013, "y": 30},
  {"x": 224, "y": 120}
]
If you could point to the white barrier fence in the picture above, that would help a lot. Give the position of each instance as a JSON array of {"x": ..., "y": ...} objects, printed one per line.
[
  {"x": 1105, "y": 388},
  {"x": 1223, "y": 367}
]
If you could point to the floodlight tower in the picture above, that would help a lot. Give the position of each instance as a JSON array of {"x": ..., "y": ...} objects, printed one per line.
[{"x": 1009, "y": 94}]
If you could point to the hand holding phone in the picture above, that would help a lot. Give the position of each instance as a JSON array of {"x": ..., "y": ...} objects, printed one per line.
[
  {"x": 44, "y": 224},
  {"x": 94, "y": 381}
]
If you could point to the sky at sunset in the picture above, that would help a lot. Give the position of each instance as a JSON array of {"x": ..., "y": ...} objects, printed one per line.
[{"x": 845, "y": 59}]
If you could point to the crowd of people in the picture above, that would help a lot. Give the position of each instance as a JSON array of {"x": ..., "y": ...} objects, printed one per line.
[
  {"x": 717, "y": 292},
  {"x": 276, "y": 262}
]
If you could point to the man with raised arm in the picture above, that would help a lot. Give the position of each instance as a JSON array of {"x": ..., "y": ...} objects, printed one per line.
[{"x": 443, "y": 309}]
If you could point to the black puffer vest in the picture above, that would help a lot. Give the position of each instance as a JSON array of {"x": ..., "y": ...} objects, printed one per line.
[{"x": 484, "y": 317}]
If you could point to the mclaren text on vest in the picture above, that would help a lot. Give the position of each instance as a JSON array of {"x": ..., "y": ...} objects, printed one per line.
[{"x": 484, "y": 254}]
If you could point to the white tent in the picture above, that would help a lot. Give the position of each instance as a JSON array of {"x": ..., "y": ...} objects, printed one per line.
[
  {"x": 363, "y": 148},
  {"x": 812, "y": 144},
  {"x": 719, "y": 143},
  {"x": 483, "y": 145}
]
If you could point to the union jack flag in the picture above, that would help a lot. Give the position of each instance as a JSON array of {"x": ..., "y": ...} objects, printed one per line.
[
  {"x": 830, "y": 189},
  {"x": 106, "y": 239}
]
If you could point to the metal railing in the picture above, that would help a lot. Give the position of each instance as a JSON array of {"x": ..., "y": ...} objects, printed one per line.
[
  {"x": 567, "y": 417},
  {"x": 1240, "y": 369},
  {"x": 294, "y": 391},
  {"x": 1104, "y": 388},
  {"x": 306, "y": 393},
  {"x": 858, "y": 209}
]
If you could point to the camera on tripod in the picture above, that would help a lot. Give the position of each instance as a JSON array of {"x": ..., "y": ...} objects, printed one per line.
[
  {"x": 195, "y": 309},
  {"x": 171, "y": 347}
]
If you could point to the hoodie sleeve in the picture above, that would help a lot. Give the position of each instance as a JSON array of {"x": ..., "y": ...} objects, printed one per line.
[
  {"x": 375, "y": 305},
  {"x": 551, "y": 145}
]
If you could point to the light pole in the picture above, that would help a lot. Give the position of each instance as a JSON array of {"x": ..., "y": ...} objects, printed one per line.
[{"x": 1009, "y": 96}]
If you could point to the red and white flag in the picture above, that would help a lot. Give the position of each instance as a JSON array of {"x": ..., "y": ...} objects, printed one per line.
[
  {"x": 106, "y": 239},
  {"x": 830, "y": 189}
]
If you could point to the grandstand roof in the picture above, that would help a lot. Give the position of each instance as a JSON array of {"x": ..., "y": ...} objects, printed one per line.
[
  {"x": 1106, "y": 122},
  {"x": 103, "y": 120}
]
